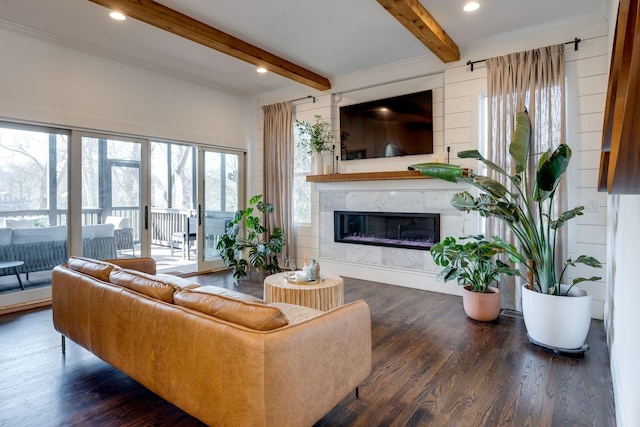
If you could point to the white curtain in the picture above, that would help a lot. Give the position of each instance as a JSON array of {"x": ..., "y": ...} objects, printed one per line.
[
  {"x": 534, "y": 79},
  {"x": 278, "y": 171}
]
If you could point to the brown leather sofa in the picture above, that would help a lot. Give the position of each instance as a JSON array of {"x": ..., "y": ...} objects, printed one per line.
[{"x": 224, "y": 357}]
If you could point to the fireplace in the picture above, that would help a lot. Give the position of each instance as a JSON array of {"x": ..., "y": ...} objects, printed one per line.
[{"x": 397, "y": 230}]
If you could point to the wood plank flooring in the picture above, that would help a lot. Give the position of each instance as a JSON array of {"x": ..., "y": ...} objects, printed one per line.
[{"x": 432, "y": 366}]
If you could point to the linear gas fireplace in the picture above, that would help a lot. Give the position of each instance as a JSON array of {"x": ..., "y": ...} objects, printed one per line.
[{"x": 397, "y": 230}]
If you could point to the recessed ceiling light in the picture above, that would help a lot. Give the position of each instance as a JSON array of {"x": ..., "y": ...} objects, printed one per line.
[
  {"x": 261, "y": 70},
  {"x": 471, "y": 6},
  {"x": 118, "y": 16}
]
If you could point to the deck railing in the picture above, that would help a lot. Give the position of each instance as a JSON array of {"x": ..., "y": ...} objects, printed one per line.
[{"x": 162, "y": 222}]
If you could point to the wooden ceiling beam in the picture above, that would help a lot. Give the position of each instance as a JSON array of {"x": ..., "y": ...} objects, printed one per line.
[
  {"x": 162, "y": 17},
  {"x": 421, "y": 24}
]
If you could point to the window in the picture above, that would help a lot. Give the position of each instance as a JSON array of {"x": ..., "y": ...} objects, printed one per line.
[
  {"x": 33, "y": 174},
  {"x": 301, "y": 188},
  {"x": 172, "y": 168}
]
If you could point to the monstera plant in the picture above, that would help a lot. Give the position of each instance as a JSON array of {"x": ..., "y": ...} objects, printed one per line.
[
  {"x": 247, "y": 243},
  {"x": 473, "y": 262}
]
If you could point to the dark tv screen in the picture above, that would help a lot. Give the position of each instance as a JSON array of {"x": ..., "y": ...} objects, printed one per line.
[{"x": 397, "y": 126}]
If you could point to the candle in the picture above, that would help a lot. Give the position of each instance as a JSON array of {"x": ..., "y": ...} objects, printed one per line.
[{"x": 327, "y": 169}]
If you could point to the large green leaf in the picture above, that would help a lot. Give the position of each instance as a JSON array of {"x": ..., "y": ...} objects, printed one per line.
[
  {"x": 475, "y": 154},
  {"x": 489, "y": 185},
  {"x": 550, "y": 171},
  {"x": 588, "y": 260},
  {"x": 566, "y": 216},
  {"x": 446, "y": 172},
  {"x": 463, "y": 201},
  {"x": 519, "y": 146}
]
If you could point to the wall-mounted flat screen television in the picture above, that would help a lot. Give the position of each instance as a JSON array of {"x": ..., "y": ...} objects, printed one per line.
[{"x": 397, "y": 126}]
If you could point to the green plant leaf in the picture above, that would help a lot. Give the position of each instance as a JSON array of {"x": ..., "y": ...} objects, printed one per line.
[
  {"x": 463, "y": 201},
  {"x": 566, "y": 216},
  {"x": 490, "y": 186},
  {"x": 550, "y": 171},
  {"x": 475, "y": 154},
  {"x": 588, "y": 260},
  {"x": 255, "y": 199},
  {"x": 446, "y": 172},
  {"x": 519, "y": 146}
]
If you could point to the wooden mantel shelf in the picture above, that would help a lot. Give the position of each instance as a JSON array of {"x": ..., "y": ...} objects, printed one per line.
[{"x": 366, "y": 176}]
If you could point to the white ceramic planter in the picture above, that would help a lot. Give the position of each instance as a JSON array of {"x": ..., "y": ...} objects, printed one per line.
[
  {"x": 560, "y": 322},
  {"x": 484, "y": 307},
  {"x": 318, "y": 164}
]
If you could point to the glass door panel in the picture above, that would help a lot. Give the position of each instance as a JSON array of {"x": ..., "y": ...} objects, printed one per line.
[
  {"x": 111, "y": 197},
  {"x": 173, "y": 222},
  {"x": 33, "y": 210},
  {"x": 220, "y": 191}
]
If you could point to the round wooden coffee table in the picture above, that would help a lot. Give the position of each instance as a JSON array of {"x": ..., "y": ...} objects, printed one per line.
[{"x": 323, "y": 295}]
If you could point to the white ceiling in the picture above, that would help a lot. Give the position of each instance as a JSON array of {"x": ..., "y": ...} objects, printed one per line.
[{"x": 328, "y": 37}]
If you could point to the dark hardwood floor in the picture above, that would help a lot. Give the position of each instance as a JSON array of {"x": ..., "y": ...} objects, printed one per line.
[{"x": 432, "y": 366}]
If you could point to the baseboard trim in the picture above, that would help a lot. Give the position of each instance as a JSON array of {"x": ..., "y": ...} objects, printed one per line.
[{"x": 25, "y": 306}]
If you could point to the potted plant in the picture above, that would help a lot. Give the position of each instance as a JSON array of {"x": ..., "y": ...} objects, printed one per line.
[
  {"x": 525, "y": 205},
  {"x": 245, "y": 233},
  {"x": 316, "y": 139},
  {"x": 475, "y": 266}
]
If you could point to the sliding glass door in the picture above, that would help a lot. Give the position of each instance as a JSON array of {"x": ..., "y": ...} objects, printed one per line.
[
  {"x": 220, "y": 193},
  {"x": 34, "y": 165},
  {"x": 111, "y": 196}
]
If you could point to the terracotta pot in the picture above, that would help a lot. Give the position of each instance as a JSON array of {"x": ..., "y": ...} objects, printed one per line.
[{"x": 484, "y": 307}]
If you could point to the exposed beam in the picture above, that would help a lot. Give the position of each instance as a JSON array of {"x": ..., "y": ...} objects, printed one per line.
[
  {"x": 160, "y": 16},
  {"x": 421, "y": 24}
]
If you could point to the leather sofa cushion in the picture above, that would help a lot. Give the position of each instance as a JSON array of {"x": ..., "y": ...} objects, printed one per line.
[
  {"x": 91, "y": 267},
  {"x": 215, "y": 290},
  {"x": 145, "y": 265},
  {"x": 152, "y": 286},
  {"x": 296, "y": 313},
  {"x": 178, "y": 282},
  {"x": 257, "y": 316}
]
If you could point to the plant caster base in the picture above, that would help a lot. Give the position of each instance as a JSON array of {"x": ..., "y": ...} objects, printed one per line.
[{"x": 571, "y": 352}]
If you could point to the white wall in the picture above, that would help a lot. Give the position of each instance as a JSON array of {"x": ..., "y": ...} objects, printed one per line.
[
  {"x": 622, "y": 311},
  {"x": 47, "y": 82},
  {"x": 457, "y": 121}
]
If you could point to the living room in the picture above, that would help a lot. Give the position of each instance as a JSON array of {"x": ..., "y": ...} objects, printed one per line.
[{"x": 56, "y": 82}]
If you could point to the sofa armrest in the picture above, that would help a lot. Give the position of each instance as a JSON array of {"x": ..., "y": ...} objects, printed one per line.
[{"x": 143, "y": 265}]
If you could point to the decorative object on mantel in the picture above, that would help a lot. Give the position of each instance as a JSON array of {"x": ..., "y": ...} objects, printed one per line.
[
  {"x": 526, "y": 208},
  {"x": 474, "y": 266},
  {"x": 316, "y": 141}
]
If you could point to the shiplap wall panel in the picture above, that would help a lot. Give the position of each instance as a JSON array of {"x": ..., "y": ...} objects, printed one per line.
[{"x": 456, "y": 124}]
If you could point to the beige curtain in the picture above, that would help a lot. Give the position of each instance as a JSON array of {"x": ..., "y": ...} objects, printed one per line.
[
  {"x": 533, "y": 79},
  {"x": 278, "y": 171}
]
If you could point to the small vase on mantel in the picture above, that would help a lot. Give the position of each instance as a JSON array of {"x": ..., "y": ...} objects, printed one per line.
[{"x": 318, "y": 164}]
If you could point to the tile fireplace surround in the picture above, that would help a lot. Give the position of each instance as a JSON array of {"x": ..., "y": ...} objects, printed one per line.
[{"x": 405, "y": 267}]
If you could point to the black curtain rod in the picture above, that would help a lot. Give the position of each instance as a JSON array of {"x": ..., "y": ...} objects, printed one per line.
[
  {"x": 575, "y": 42},
  {"x": 305, "y": 97}
]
